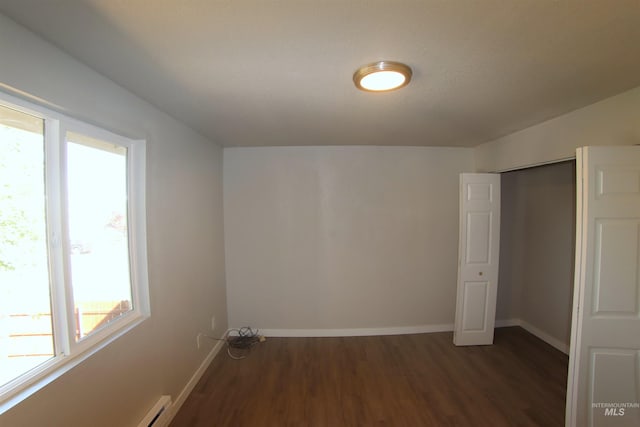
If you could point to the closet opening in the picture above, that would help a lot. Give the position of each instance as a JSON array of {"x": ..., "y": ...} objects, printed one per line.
[{"x": 537, "y": 251}]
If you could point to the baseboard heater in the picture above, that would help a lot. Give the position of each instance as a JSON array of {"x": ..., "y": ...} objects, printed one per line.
[{"x": 159, "y": 415}]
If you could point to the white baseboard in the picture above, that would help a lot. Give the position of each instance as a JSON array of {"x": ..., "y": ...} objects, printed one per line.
[
  {"x": 553, "y": 342},
  {"x": 356, "y": 332},
  {"x": 188, "y": 388},
  {"x": 404, "y": 330},
  {"x": 160, "y": 413}
]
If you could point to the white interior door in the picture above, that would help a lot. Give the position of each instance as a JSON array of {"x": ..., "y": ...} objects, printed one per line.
[
  {"x": 604, "y": 362},
  {"x": 478, "y": 252}
]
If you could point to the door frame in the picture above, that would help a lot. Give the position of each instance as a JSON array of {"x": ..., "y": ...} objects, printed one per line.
[
  {"x": 571, "y": 402},
  {"x": 573, "y": 370},
  {"x": 570, "y": 409}
]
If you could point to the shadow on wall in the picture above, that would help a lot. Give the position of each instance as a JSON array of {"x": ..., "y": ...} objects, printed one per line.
[{"x": 537, "y": 248}]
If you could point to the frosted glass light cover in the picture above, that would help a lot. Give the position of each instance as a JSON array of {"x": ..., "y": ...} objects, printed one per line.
[
  {"x": 382, "y": 76},
  {"x": 383, "y": 80}
]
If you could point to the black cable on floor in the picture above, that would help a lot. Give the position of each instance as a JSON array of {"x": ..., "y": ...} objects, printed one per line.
[{"x": 239, "y": 346}]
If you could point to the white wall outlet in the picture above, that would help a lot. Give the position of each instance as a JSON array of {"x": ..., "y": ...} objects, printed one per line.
[{"x": 213, "y": 323}]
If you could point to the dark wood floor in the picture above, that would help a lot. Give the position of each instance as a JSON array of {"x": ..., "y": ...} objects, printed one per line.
[{"x": 406, "y": 380}]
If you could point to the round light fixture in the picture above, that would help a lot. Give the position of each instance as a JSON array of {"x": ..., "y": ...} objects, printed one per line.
[{"x": 382, "y": 76}]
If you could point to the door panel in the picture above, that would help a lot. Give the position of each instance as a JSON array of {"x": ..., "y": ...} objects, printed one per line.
[
  {"x": 478, "y": 259},
  {"x": 616, "y": 277},
  {"x": 613, "y": 182},
  {"x": 604, "y": 366},
  {"x": 614, "y": 374},
  {"x": 474, "y": 312},
  {"x": 478, "y": 238}
]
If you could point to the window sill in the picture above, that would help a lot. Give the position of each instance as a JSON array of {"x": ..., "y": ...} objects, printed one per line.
[{"x": 60, "y": 365}]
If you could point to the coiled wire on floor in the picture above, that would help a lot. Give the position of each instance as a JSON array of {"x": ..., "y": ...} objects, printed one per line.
[{"x": 239, "y": 341}]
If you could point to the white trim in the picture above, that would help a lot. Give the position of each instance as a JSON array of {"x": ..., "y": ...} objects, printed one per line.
[
  {"x": 553, "y": 342},
  {"x": 54, "y": 369},
  {"x": 162, "y": 419},
  {"x": 357, "y": 332},
  {"x": 188, "y": 388},
  {"x": 55, "y": 236},
  {"x": 535, "y": 165},
  {"x": 405, "y": 330},
  {"x": 580, "y": 266},
  {"x": 68, "y": 353},
  {"x": 137, "y": 218}
]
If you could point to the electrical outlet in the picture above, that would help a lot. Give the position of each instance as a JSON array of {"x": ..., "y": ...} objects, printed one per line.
[{"x": 213, "y": 323}]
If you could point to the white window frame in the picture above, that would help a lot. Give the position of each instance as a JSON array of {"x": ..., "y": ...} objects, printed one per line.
[{"x": 67, "y": 352}]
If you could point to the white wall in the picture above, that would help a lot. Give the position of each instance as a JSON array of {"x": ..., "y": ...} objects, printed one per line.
[
  {"x": 116, "y": 386},
  {"x": 537, "y": 249},
  {"x": 342, "y": 237},
  {"x": 613, "y": 121}
]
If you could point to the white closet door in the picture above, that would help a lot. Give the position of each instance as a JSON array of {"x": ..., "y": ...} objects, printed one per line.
[
  {"x": 478, "y": 252},
  {"x": 604, "y": 364}
]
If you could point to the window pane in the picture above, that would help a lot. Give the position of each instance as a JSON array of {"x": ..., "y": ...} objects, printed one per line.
[
  {"x": 99, "y": 242},
  {"x": 26, "y": 333}
]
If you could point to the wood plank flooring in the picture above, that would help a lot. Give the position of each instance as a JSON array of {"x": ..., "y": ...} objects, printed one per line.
[{"x": 405, "y": 380}]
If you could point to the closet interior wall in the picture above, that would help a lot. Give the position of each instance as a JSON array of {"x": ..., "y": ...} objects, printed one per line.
[{"x": 537, "y": 249}]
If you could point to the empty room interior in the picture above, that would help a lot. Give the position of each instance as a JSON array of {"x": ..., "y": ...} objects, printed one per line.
[{"x": 290, "y": 246}]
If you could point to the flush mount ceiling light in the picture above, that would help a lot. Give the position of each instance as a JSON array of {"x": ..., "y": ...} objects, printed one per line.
[{"x": 382, "y": 76}]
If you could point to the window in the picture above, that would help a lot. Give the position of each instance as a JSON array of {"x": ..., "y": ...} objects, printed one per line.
[{"x": 72, "y": 243}]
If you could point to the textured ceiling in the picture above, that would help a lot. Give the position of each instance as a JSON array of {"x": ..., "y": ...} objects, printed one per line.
[{"x": 260, "y": 72}]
